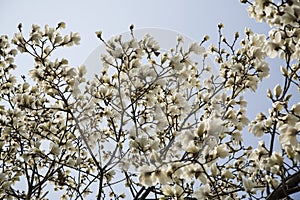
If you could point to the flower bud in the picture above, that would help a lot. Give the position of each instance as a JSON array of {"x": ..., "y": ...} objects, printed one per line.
[{"x": 277, "y": 91}]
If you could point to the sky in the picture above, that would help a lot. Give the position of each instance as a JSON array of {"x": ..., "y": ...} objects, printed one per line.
[{"x": 193, "y": 18}]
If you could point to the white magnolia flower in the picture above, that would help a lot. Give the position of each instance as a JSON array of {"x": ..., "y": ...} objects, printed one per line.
[
  {"x": 176, "y": 62},
  {"x": 196, "y": 48},
  {"x": 162, "y": 177},
  {"x": 55, "y": 149},
  {"x": 61, "y": 25},
  {"x": 214, "y": 126},
  {"x": 180, "y": 38},
  {"x": 222, "y": 151},
  {"x": 173, "y": 191},
  {"x": 288, "y": 135},
  {"x": 203, "y": 192},
  {"x": 214, "y": 170},
  {"x": 227, "y": 174},
  {"x": 296, "y": 109},
  {"x": 76, "y": 90},
  {"x": 277, "y": 90},
  {"x": 276, "y": 159},
  {"x": 81, "y": 71},
  {"x": 146, "y": 175},
  {"x": 258, "y": 129},
  {"x": 248, "y": 184},
  {"x": 75, "y": 37},
  {"x": 167, "y": 190},
  {"x": 36, "y": 38}
]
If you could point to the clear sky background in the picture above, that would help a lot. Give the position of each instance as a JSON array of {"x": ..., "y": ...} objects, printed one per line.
[{"x": 194, "y": 18}]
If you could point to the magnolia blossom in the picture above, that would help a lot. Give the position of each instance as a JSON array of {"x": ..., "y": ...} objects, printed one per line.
[
  {"x": 172, "y": 191},
  {"x": 222, "y": 151},
  {"x": 288, "y": 135},
  {"x": 248, "y": 184},
  {"x": 196, "y": 48},
  {"x": 275, "y": 44},
  {"x": 296, "y": 109},
  {"x": 203, "y": 192},
  {"x": 257, "y": 129}
]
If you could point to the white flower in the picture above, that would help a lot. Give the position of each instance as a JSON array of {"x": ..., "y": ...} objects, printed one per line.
[
  {"x": 81, "y": 71},
  {"x": 177, "y": 190},
  {"x": 55, "y": 149},
  {"x": 288, "y": 135},
  {"x": 180, "y": 38},
  {"x": 248, "y": 184},
  {"x": 146, "y": 176},
  {"x": 176, "y": 62},
  {"x": 237, "y": 68},
  {"x": 173, "y": 191},
  {"x": 58, "y": 39},
  {"x": 257, "y": 129},
  {"x": 161, "y": 176},
  {"x": 263, "y": 70},
  {"x": 201, "y": 129},
  {"x": 196, "y": 48},
  {"x": 167, "y": 190},
  {"x": 227, "y": 174},
  {"x": 252, "y": 83},
  {"x": 214, "y": 170},
  {"x": 203, "y": 192},
  {"x": 277, "y": 90},
  {"x": 36, "y": 38},
  {"x": 186, "y": 139},
  {"x": 2, "y": 177},
  {"x": 70, "y": 71},
  {"x": 296, "y": 109},
  {"x": 150, "y": 43},
  {"x": 210, "y": 143},
  {"x": 49, "y": 31},
  {"x": 257, "y": 40},
  {"x": 66, "y": 39},
  {"x": 76, "y": 90},
  {"x": 276, "y": 158},
  {"x": 75, "y": 37},
  {"x": 116, "y": 53},
  {"x": 222, "y": 151},
  {"x": 61, "y": 25},
  {"x": 214, "y": 126},
  {"x": 272, "y": 49},
  {"x": 191, "y": 147}
]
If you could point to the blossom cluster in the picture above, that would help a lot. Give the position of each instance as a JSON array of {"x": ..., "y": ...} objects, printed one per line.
[{"x": 157, "y": 122}]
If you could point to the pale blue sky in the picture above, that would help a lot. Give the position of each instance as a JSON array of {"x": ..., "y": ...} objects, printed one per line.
[{"x": 194, "y": 18}]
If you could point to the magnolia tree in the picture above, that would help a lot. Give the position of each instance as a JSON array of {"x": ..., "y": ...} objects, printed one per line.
[{"x": 152, "y": 124}]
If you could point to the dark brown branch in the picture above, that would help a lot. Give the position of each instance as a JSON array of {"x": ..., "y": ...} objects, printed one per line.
[{"x": 291, "y": 186}]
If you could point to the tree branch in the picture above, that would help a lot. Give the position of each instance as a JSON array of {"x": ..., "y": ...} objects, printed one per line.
[{"x": 291, "y": 187}]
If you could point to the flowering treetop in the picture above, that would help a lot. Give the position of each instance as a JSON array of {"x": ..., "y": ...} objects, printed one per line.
[{"x": 156, "y": 123}]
